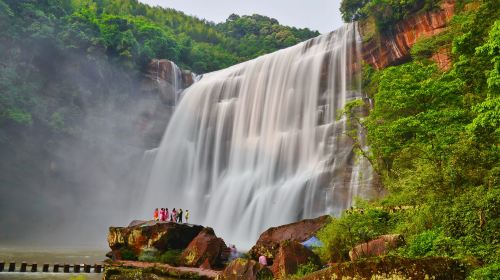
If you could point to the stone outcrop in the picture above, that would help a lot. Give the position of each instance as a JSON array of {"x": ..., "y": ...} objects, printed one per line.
[
  {"x": 206, "y": 250},
  {"x": 376, "y": 247},
  {"x": 162, "y": 236},
  {"x": 165, "y": 79},
  {"x": 391, "y": 49},
  {"x": 394, "y": 268},
  {"x": 290, "y": 255},
  {"x": 243, "y": 269},
  {"x": 268, "y": 242},
  {"x": 161, "y": 90}
]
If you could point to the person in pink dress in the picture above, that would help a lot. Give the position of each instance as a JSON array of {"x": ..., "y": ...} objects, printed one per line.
[
  {"x": 173, "y": 216},
  {"x": 166, "y": 214}
]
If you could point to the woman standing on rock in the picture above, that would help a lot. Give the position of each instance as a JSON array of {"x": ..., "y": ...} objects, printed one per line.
[
  {"x": 166, "y": 214},
  {"x": 179, "y": 216},
  {"x": 162, "y": 214},
  {"x": 174, "y": 215},
  {"x": 155, "y": 215}
]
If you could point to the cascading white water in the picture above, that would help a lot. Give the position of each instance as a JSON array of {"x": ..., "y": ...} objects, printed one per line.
[{"x": 259, "y": 144}]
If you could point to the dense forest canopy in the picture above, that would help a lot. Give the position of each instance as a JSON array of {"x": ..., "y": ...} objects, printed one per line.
[
  {"x": 434, "y": 137},
  {"x": 134, "y": 32},
  {"x": 37, "y": 34}
]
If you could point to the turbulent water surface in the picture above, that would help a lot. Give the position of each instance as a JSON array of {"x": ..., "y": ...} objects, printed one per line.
[{"x": 261, "y": 143}]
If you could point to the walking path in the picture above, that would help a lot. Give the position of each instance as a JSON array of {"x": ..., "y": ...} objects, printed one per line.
[{"x": 211, "y": 274}]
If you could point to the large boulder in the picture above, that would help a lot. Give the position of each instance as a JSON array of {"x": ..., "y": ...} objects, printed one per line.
[
  {"x": 268, "y": 243},
  {"x": 376, "y": 247},
  {"x": 290, "y": 255},
  {"x": 129, "y": 242},
  {"x": 243, "y": 269},
  {"x": 206, "y": 250}
]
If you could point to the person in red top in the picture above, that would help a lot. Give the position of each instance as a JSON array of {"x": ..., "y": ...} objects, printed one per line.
[{"x": 155, "y": 215}]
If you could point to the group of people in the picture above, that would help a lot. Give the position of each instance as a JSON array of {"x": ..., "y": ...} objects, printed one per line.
[{"x": 163, "y": 215}]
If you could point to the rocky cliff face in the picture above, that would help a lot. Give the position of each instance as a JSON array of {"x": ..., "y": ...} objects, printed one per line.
[
  {"x": 166, "y": 81},
  {"x": 391, "y": 49}
]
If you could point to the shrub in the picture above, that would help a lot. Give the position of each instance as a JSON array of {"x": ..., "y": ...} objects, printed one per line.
[
  {"x": 349, "y": 230},
  {"x": 488, "y": 272},
  {"x": 128, "y": 254},
  {"x": 149, "y": 255},
  {"x": 304, "y": 269},
  {"x": 171, "y": 257}
]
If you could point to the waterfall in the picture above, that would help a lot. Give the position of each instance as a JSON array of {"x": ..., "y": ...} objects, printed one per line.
[{"x": 261, "y": 144}]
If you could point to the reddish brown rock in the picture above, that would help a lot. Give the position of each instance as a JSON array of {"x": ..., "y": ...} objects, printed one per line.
[
  {"x": 242, "y": 269},
  {"x": 395, "y": 48},
  {"x": 290, "y": 255},
  {"x": 394, "y": 268},
  {"x": 268, "y": 243},
  {"x": 206, "y": 251},
  {"x": 161, "y": 236},
  {"x": 442, "y": 58},
  {"x": 376, "y": 247},
  {"x": 164, "y": 79}
]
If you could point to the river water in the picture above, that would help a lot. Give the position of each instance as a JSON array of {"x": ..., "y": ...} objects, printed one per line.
[{"x": 51, "y": 256}]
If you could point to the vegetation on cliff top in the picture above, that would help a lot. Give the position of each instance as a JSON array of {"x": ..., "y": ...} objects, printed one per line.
[
  {"x": 385, "y": 12},
  {"x": 37, "y": 35},
  {"x": 435, "y": 139}
]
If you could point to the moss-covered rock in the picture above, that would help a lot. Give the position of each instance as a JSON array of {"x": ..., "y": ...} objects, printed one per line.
[
  {"x": 148, "y": 273},
  {"x": 394, "y": 268},
  {"x": 129, "y": 242},
  {"x": 243, "y": 269}
]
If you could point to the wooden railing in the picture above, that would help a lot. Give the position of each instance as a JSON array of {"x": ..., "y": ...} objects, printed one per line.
[{"x": 65, "y": 268}]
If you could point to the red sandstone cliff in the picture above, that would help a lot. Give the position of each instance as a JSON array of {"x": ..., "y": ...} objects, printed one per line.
[{"x": 385, "y": 50}]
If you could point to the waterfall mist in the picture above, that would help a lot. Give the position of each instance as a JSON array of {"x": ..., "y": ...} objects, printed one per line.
[
  {"x": 65, "y": 185},
  {"x": 260, "y": 144}
]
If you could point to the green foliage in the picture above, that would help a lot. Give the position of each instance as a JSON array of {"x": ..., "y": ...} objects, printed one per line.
[
  {"x": 127, "y": 254},
  {"x": 434, "y": 138},
  {"x": 38, "y": 37},
  {"x": 258, "y": 35},
  {"x": 427, "y": 243},
  {"x": 491, "y": 272},
  {"x": 171, "y": 257},
  {"x": 385, "y": 12},
  {"x": 345, "y": 232},
  {"x": 304, "y": 269},
  {"x": 148, "y": 255}
]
